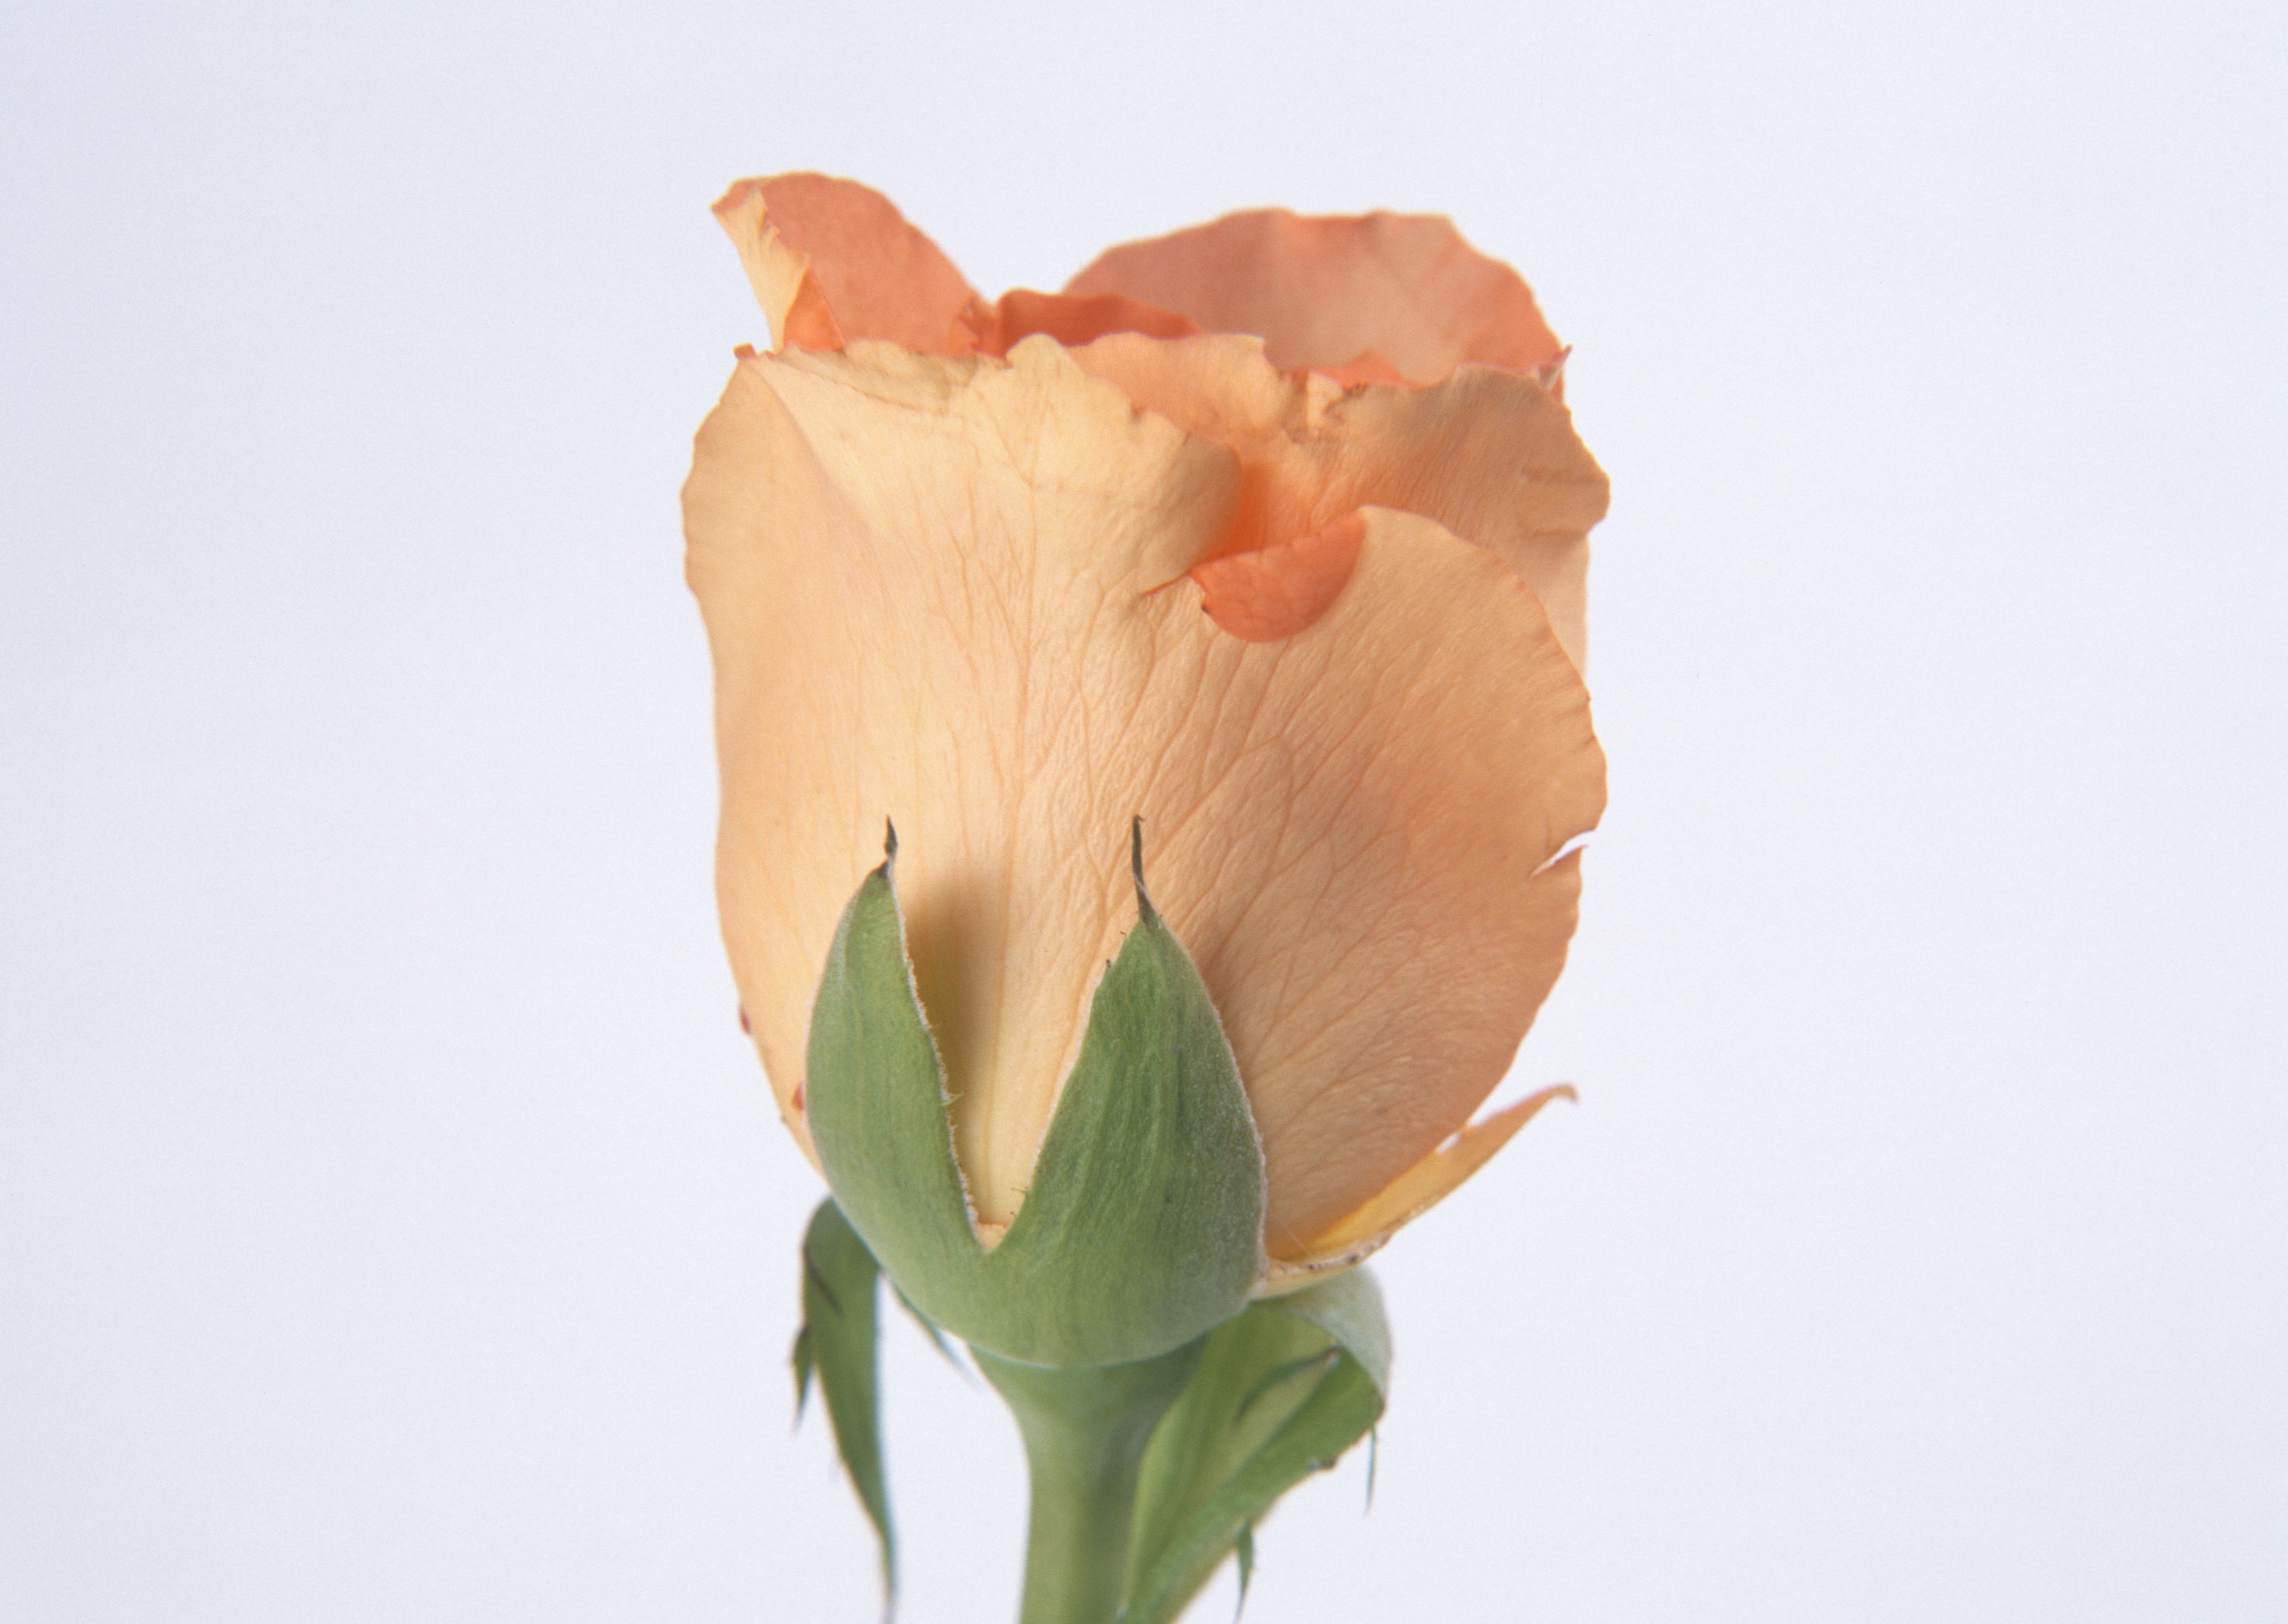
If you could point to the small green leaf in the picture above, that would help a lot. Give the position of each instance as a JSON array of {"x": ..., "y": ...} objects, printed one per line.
[
  {"x": 838, "y": 1341},
  {"x": 1244, "y": 1549},
  {"x": 1142, "y": 1225},
  {"x": 1282, "y": 1392},
  {"x": 805, "y": 1362}
]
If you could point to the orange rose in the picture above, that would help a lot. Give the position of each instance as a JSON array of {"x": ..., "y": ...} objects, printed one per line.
[{"x": 1272, "y": 533}]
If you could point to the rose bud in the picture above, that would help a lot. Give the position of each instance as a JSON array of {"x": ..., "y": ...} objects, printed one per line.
[{"x": 1270, "y": 536}]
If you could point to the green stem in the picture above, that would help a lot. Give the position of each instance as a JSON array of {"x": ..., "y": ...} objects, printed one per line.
[{"x": 1085, "y": 1432}]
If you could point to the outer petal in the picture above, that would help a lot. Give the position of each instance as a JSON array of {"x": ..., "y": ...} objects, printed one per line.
[
  {"x": 947, "y": 592},
  {"x": 830, "y": 261},
  {"x": 882, "y": 546},
  {"x": 1490, "y": 454},
  {"x": 1321, "y": 292}
]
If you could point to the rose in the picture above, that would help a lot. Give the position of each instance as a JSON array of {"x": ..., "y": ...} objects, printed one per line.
[{"x": 1271, "y": 534}]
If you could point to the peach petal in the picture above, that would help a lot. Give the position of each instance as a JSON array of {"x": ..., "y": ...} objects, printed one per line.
[
  {"x": 876, "y": 537},
  {"x": 1320, "y": 292},
  {"x": 930, "y": 588},
  {"x": 830, "y": 261},
  {"x": 1488, "y": 453},
  {"x": 1276, "y": 591},
  {"x": 780, "y": 276}
]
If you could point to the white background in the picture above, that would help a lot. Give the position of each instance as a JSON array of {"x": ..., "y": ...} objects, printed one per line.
[{"x": 393, "y": 1225}]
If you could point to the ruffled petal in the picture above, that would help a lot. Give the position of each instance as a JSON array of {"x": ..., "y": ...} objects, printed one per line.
[
  {"x": 951, "y": 593},
  {"x": 830, "y": 261},
  {"x": 1324, "y": 292},
  {"x": 1488, "y": 453}
]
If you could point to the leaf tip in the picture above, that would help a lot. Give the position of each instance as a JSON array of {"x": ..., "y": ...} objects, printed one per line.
[
  {"x": 1144, "y": 908},
  {"x": 806, "y": 1362}
]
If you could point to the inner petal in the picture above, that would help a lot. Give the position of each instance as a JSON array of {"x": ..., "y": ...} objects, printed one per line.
[
  {"x": 1070, "y": 321},
  {"x": 1490, "y": 455},
  {"x": 1320, "y": 291}
]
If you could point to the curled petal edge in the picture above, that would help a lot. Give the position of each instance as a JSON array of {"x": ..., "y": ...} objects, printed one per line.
[
  {"x": 832, "y": 261},
  {"x": 1351, "y": 1241},
  {"x": 785, "y": 284}
]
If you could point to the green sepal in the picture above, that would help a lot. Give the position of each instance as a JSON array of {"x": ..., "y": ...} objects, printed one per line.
[
  {"x": 1282, "y": 1392},
  {"x": 838, "y": 1341},
  {"x": 1142, "y": 1225}
]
